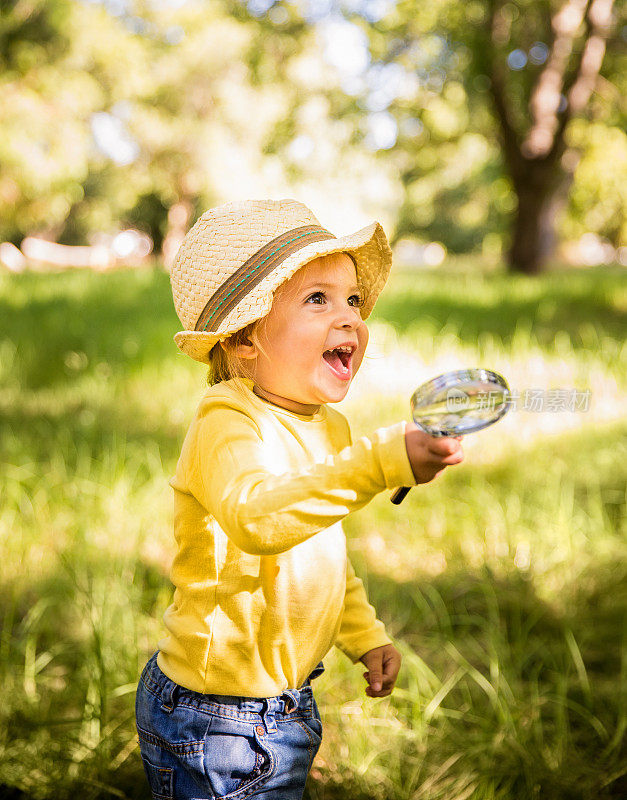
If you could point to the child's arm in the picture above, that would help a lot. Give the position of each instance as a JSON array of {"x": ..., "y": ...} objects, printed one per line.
[
  {"x": 231, "y": 474},
  {"x": 266, "y": 513},
  {"x": 362, "y": 637},
  {"x": 360, "y": 630}
]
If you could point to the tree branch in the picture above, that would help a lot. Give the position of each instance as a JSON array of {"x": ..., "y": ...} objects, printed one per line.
[
  {"x": 546, "y": 96},
  {"x": 599, "y": 21},
  {"x": 511, "y": 142}
]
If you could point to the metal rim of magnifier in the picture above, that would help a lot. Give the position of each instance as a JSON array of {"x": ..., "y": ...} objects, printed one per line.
[{"x": 455, "y": 379}]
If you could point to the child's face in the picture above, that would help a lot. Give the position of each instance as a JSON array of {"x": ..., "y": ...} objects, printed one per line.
[{"x": 313, "y": 313}]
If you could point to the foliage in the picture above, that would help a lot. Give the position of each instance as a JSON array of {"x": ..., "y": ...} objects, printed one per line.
[
  {"x": 201, "y": 100},
  {"x": 65, "y": 62},
  {"x": 154, "y": 104},
  {"x": 598, "y": 198},
  {"x": 431, "y": 80}
]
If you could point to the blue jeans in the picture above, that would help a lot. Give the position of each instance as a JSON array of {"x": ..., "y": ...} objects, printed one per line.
[{"x": 196, "y": 746}]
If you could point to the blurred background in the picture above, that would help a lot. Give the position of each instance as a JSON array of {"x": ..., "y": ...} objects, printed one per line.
[{"x": 489, "y": 139}]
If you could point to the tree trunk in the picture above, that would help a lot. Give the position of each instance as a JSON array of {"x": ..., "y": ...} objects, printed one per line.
[
  {"x": 532, "y": 234},
  {"x": 179, "y": 216},
  {"x": 542, "y": 196},
  {"x": 535, "y": 163}
]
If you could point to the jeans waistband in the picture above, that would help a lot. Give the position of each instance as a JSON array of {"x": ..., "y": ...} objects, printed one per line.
[{"x": 171, "y": 693}]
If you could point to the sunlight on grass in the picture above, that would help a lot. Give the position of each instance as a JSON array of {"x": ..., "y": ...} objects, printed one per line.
[{"x": 502, "y": 582}]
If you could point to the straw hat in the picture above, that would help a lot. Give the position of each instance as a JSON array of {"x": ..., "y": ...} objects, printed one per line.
[{"x": 236, "y": 255}]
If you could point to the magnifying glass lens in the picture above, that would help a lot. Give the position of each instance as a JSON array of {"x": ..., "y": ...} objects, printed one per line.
[{"x": 460, "y": 402}]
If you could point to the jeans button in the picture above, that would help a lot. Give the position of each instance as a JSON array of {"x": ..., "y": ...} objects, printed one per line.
[{"x": 260, "y": 730}]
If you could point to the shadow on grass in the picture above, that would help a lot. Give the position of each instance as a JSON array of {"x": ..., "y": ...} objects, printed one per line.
[
  {"x": 126, "y": 319},
  {"x": 75, "y": 717},
  {"x": 458, "y": 605},
  {"x": 123, "y": 319},
  {"x": 556, "y": 674},
  {"x": 76, "y": 430},
  {"x": 482, "y": 617},
  {"x": 472, "y": 304}
]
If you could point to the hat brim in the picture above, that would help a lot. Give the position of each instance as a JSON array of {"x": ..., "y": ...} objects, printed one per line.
[{"x": 370, "y": 250}]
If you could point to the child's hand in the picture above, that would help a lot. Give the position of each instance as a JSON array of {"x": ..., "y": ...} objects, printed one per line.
[
  {"x": 383, "y": 665},
  {"x": 429, "y": 455}
]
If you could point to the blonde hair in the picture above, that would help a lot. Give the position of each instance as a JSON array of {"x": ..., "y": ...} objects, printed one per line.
[{"x": 224, "y": 364}]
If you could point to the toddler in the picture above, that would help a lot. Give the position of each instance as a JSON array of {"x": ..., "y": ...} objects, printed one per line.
[{"x": 275, "y": 304}]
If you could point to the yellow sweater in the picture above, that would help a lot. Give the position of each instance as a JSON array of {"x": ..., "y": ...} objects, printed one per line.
[{"x": 263, "y": 586}]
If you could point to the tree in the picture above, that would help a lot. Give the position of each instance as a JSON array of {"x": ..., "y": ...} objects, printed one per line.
[
  {"x": 533, "y": 152},
  {"x": 540, "y": 61},
  {"x": 129, "y": 112},
  {"x": 483, "y": 96},
  {"x": 65, "y": 65}
]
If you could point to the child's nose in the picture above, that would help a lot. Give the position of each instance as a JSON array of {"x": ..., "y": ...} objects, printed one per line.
[{"x": 348, "y": 318}]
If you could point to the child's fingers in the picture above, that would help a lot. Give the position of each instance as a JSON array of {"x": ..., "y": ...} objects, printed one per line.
[
  {"x": 374, "y": 679},
  {"x": 445, "y": 452},
  {"x": 444, "y": 446},
  {"x": 380, "y": 693},
  {"x": 384, "y": 691},
  {"x": 387, "y": 680},
  {"x": 454, "y": 458},
  {"x": 383, "y": 664},
  {"x": 391, "y": 667}
]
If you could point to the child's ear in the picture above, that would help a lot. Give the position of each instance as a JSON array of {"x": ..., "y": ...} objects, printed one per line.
[{"x": 245, "y": 349}]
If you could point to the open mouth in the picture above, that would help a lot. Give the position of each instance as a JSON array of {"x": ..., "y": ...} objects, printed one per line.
[{"x": 339, "y": 359}]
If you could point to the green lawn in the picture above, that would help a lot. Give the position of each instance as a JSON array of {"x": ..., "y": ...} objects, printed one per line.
[{"x": 504, "y": 582}]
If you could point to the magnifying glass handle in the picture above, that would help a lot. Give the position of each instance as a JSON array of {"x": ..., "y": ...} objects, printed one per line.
[{"x": 399, "y": 495}]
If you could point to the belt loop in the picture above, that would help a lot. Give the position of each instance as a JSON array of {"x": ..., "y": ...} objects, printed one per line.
[
  {"x": 270, "y": 707},
  {"x": 168, "y": 695},
  {"x": 294, "y": 696}
]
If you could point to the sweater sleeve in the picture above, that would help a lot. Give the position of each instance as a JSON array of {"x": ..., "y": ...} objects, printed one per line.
[
  {"x": 360, "y": 629},
  {"x": 266, "y": 513}
]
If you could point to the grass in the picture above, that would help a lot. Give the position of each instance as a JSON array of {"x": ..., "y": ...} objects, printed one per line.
[
  {"x": 581, "y": 307},
  {"x": 503, "y": 582}
]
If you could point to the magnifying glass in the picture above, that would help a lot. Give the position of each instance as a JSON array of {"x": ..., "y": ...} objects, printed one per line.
[{"x": 457, "y": 403}]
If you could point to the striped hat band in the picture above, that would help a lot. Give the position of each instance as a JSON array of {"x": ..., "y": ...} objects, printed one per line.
[{"x": 254, "y": 270}]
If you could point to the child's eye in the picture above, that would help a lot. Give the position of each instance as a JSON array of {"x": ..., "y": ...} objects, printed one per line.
[
  {"x": 319, "y": 298},
  {"x": 356, "y": 301}
]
